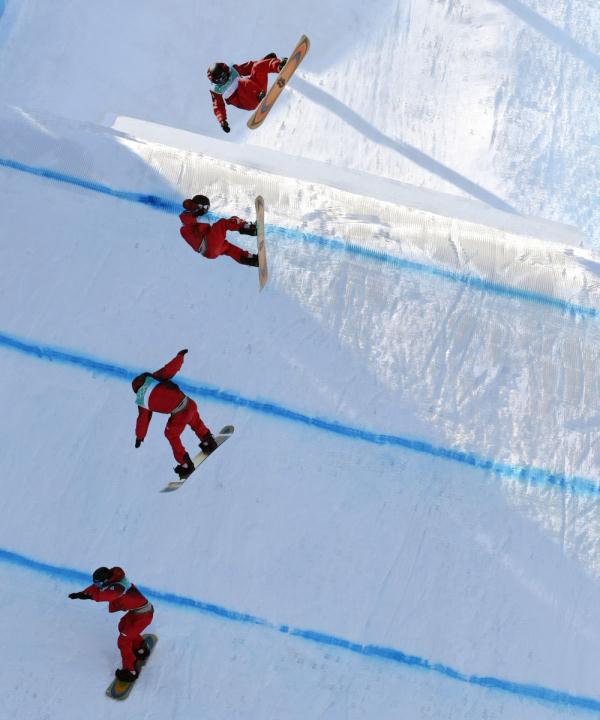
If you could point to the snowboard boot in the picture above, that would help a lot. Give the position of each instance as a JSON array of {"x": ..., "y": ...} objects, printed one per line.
[
  {"x": 248, "y": 228},
  {"x": 282, "y": 64},
  {"x": 126, "y": 675},
  {"x": 251, "y": 260},
  {"x": 186, "y": 468},
  {"x": 261, "y": 95},
  {"x": 207, "y": 443},
  {"x": 142, "y": 653}
]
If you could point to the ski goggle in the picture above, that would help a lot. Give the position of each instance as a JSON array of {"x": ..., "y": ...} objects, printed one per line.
[{"x": 220, "y": 78}]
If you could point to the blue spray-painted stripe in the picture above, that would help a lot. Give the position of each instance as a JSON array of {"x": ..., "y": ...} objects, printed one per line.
[
  {"x": 331, "y": 244},
  {"x": 152, "y": 200},
  {"x": 532, "y": 692},
  {"x": 528, "y": 474},
  {"x": 471, "y": 281}
]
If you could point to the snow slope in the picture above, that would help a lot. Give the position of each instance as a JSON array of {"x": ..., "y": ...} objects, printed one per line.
[
  {"x": 347, "y": 553},
  {"x": 406, "y": 520}
]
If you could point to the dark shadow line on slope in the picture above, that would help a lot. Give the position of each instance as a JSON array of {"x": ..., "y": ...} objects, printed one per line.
[
  {"x": 379, "y": 652},
  {"x": 173, "y": 207},
  {"x": 527, "y": 474},
  {"x": 552, "y": 32},
  {"x": 352, "y": 118}
]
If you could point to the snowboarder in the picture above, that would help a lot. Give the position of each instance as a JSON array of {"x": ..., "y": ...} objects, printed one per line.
[
  {"x": 156, "y": 392},
  {"x": 112, "y": 586},
  {"x": 243, "y": 86},
  {"x": 210, "y": 240}
]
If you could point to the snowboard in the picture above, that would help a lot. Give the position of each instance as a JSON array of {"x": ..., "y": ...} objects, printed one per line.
[
  {"x": 263, "y": 270},
  {"x": 261, "y": 112},
  {"x": 224, "y": 434},
  {"x": 119, "y": 690}
]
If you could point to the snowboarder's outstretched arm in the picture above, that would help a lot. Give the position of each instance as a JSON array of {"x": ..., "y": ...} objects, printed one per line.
[
  {"x": 171, "y": 368},
  {"x": 219, "y": 110},
  {"x": 141, "y": 425},
  {"x": 94, "y": 593}
]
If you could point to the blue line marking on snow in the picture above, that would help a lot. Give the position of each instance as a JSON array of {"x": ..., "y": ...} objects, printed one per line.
[
  {"x": 532, "y": 692},
  {"x": 523, "y": 473},
  {"x": 174, "y": 207},
  {"x": 151, "y": 200},
  {"x": 471, "y": 281}
]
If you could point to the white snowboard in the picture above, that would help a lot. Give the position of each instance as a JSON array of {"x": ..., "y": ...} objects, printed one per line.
[{"x": 225, "y": 433}]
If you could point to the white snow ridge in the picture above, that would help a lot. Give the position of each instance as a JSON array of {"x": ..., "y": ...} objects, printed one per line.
[{"x": 406, "y": 522}]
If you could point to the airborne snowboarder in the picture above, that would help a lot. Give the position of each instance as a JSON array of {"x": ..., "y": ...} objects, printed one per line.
[
  {"x": 210, "y": 240},
  {"x": 112, "y": 586},
  {"x": 243, "y": 86},
  {"x": 156, "y": 392}
]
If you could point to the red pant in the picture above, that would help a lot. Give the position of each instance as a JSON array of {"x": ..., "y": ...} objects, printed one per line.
[
  {"x": 216, "y": 244},
  {"x": 253, "y": 86},
  {"x": 260, "y": 73},
  {"x": 177, "y": 423},
  {"x": 130, "y": 636}
]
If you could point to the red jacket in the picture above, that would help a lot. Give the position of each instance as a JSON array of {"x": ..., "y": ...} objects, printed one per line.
[
  {"x": 155, "y": 393},
  {"x": 246, "y": 96},
  {"x": 196, "y": 233},
  {"x": 121, "y": 596}
]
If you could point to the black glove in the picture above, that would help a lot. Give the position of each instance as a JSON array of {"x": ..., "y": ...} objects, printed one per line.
[
  {"x": 79, "y": 596},
  {"x": 248, "y": 228},
  {"x": 225, "y": 126},
  {"x": 138, "y": 442},
  {"x": 182, "y": 352},
  {"x": 251, "y": 260}
]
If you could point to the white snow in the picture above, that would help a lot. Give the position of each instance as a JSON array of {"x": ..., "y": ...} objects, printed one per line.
[{"x": 415, "y": 469}]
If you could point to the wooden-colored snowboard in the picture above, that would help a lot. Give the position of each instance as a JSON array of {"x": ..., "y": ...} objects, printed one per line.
[
  {"x": 281, "y": 81},
  {"x": 119, "y": 690},
  {"x": 263, "y": 270}
]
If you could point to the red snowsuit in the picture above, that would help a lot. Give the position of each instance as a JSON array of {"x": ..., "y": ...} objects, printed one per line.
[
  {"x": 156, "y": 393},
  {"x": 123, "y": 596},
  {"x": 209, "y": 240},
  {"x": 251, "y": 86}
]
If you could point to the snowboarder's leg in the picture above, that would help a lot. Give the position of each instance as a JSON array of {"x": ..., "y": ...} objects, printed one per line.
[
  {"x": 175, "y": 426},
  {"x": 194, "y": 420},
  {"x": 130, "y": 636},
  {"x": 235, "y": 252},
  {"x": 207, "y": 442},
  {"x": 262, "y": 68},
  {"x": 217, "y": 245},
  {"x": 215, "y": 240}
]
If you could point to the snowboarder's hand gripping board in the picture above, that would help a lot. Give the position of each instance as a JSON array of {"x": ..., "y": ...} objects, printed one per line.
[
  {"x": 119, "y": 689},
  {"x": 281, "y": 81},
  {"x": 224, "y": 434}
]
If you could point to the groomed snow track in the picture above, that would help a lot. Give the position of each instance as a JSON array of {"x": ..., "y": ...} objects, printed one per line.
[{"x": 407, "y": 519}]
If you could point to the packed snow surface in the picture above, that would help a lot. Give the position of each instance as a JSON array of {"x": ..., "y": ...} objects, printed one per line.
[{"x": 406, "y": 521}]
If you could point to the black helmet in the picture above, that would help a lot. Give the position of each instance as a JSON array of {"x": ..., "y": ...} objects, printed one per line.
[
  {"x": 198, "y": 205},
  {"x": 101, "y": 576},
  {"x": 218, "y": 73}
]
